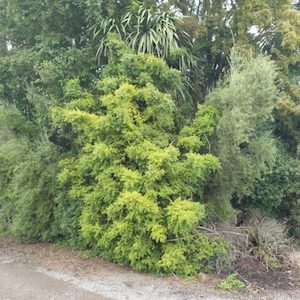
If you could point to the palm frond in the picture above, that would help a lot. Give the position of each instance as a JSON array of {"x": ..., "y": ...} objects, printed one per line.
[{"x": 146, "y": 30}]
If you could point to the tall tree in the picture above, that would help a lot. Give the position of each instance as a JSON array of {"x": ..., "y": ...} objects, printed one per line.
[{"x": 243, "y": 140}]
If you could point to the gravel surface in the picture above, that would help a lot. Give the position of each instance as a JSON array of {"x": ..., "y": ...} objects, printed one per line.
[
  {"x": 19, "y": 282},
  {"x": 45, "y": 271}
]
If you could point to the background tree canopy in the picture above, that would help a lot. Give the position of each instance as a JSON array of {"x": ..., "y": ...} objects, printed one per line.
[{"x": 127, "y": 126}]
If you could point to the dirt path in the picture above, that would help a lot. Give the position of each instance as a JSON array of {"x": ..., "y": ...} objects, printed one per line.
[
  {"x": 44, "y": 271},
  {"x": 24, "y": 283}
]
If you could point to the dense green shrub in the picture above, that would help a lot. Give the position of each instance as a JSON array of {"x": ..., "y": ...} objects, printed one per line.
[
  {"x": 243, "y": 138},
  {"x": 65, "y": 228},
  {"x": 277, "y": 193},
  {"x": 141, "y": 183},
  {"x": 28, "y": 186},
  {"x": 33, "y": 190}
]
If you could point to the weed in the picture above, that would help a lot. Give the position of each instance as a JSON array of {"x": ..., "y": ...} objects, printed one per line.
[{"x": 231, "y": 282}]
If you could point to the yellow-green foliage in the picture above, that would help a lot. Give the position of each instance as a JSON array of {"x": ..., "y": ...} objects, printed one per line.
[
  {"x": 141, "y": 183},
  {"x": 231, "y": 282}
]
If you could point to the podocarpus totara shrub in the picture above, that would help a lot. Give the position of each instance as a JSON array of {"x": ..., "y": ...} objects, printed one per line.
[{"x": 141, "y": 182}]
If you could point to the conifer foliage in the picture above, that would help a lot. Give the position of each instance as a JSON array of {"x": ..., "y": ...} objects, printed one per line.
[{"x": 141, "y": 183}]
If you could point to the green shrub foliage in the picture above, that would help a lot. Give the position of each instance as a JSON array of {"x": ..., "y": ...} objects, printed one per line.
[
  {"x": 243, "y": 138},
  {"x": 277, "y": 193},
  {"x": 28, "y": 186},
  {"x": 141, "y": 182}
]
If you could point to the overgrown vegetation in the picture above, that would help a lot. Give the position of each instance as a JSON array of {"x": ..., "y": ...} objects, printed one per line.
[
  {"x": 259, "y": 237},
  {"x": 128, "y": 127}
]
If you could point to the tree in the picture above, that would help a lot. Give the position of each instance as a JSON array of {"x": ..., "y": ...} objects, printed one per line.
[
  {"x": 147, "y": 30},
  {"x": 47, "y": 47},
  {"x": 260, "y": 26},
  {"x": 243, "y": 141},
  {"x": 141, "y": 184},
  {"x": 42, "y": 47}
]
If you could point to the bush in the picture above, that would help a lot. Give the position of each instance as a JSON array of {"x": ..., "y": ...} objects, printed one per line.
[
  {"x": 242, "y": 141},
  {"x": 28, "y": 179},
  {"x": 261, "y": 237},
  {"x": 268, "y": 240},
  {"x": 34, "y": 189},
  {"x": 140, "y": 182},
  {"x": 277, "y": 193},
  {"x": 65, "y": 228}
]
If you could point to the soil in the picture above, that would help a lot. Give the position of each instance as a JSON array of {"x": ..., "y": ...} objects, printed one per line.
[
  {"x": 67, "y": 268},
  {"x": 254, "y": 271}
]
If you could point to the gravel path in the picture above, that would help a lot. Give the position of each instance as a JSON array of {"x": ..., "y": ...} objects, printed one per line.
[
  {"x": 18, "y": 282},
  {"x": 44, "y": 271},
  {"x": 22, "y": 280}
]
